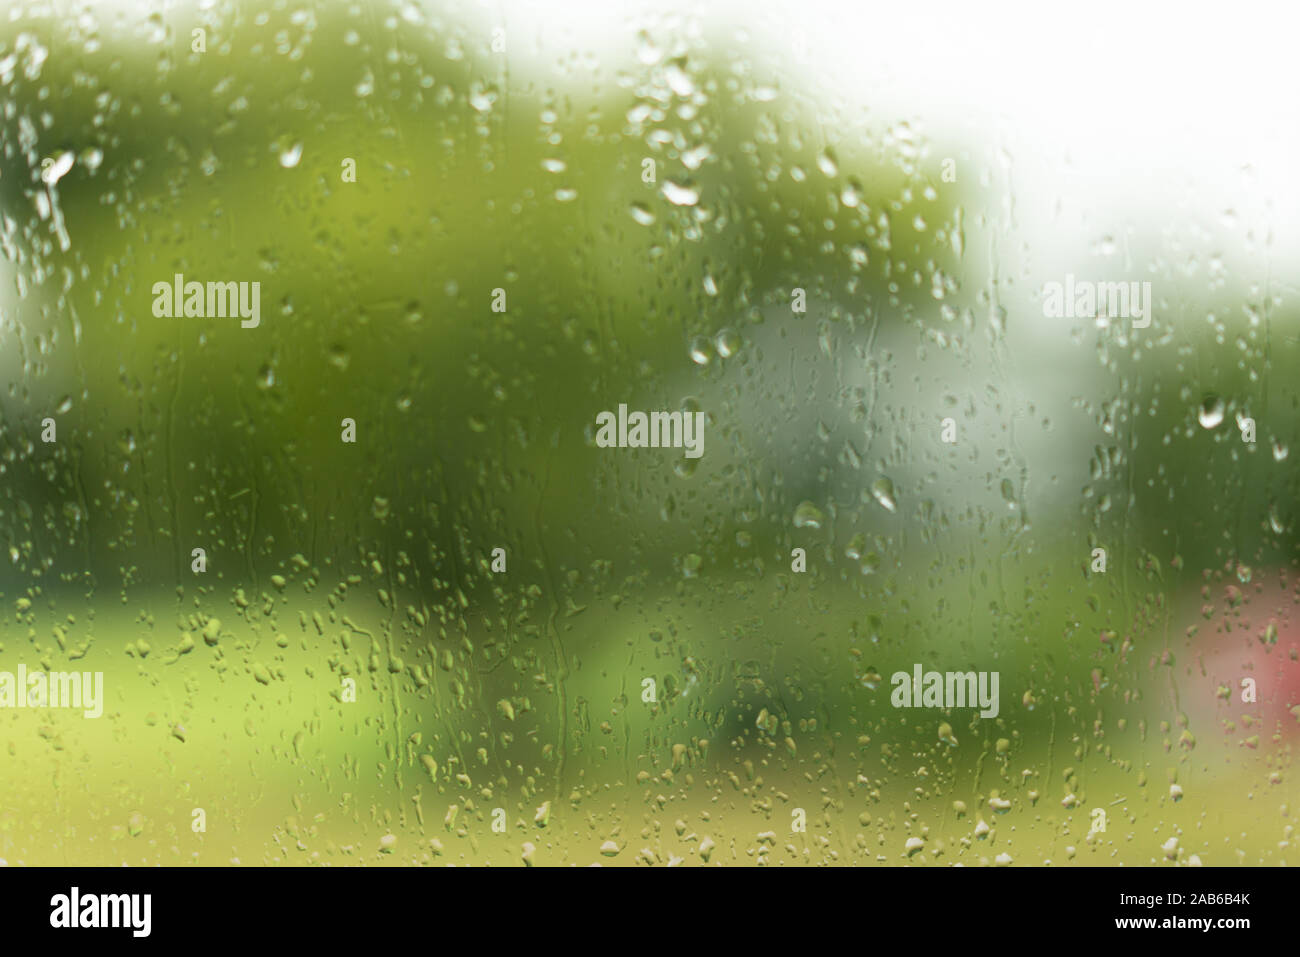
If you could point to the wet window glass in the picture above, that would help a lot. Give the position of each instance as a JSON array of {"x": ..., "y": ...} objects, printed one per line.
[{"x": 641, "y": 434}]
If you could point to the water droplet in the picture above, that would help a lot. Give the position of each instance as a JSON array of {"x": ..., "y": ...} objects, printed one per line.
[
  {"x": 681, "y": 194},
  {"x": 641, "y": 213},
  {"x": 56, "y": 170},
  {"x": 727, "y": 343},
  {"x": 266, "y": 377},
  {"x": 482, "y": 98},
  {"x": 694, "y": 158},
  {"x": 826, "y": 162},
  {"x": 289, "y": 157},
  {"x": 646, "y": 51},
  {"x": 808, "y": 515},
  {"x": 856, "y": 546},
  {"x": 1211, "y": 412},
  {"x": 882, "y": 490},
  {"x": 700, "y": 351},
  {"x": 1009, "y": 492},
  {"x": 679, "y": 81}
]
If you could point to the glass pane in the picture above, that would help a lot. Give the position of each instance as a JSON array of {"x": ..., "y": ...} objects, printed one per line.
[{"x": 641, "y": 434}]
